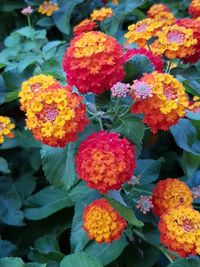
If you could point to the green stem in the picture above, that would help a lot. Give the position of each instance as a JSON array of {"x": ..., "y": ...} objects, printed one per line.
[
  {"x": 116, "y": 105},
  {"x": 29, "y": 21},
  {"x": 142, "y": 190},
  {"x": 169, "y": 66},
  {"x": 149, "y": 47},
  {"x": 100, "y": 123}
]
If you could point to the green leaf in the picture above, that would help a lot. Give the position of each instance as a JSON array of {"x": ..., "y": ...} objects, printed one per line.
[
  {"x": 136, "y": 67},
  {"x": 63, "y": 15},
  {"x": 104, "y": 252},
  {"x": 148, "y": 170},
  {"x": 12, "y": 40},
  {"x": 191, "y": 163},
  {"x": 46, "y": 202},
  {"x": 26, "y": 32},
  {"x": 4, "y": 166},
  {"x": 25, "y": 184},
  {"x": 79, "y": 260},
  {"x": 185, "y": 263},
  {"x": 79, "y": 192},
  {"x": 125, "y": 212},
  {"x": 11, "y": 96},
  {"x": 11, "y": 262},
  {"x": 130, "y": 127},
  {"x": 58, "y": 165},
  {"x": 50, "y": 48},
  {"x": 6, "y": 248},
  {"x": 10, "y": 203},
  {"x": 28, "y": 60},
  {"x": 53, "y": 67},
  {"x": 186, "y": 136},
  {"x": 193, "y": 115}
]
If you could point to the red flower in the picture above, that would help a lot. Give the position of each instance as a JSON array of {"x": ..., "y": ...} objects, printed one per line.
[
  {"x": 94, "y": 62},
  {"x": 105, "y": 161}
]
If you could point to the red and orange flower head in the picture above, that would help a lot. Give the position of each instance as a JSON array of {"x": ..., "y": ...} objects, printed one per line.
[
  {"x": 194, "y": 8},
  {"x": 33, "y": 85},
  {"x": 195, "y": 26},
  {"x": 85, "y": 25},
  {"x": 161, "y": 98},
  {"x": 169, "y": 194},
  {"x": 103, "y": 223},
  {"x": 101, "y": 14},
  {"x": 6, "y": 127},
  {"x": 94, "y": 62},
  {"x": 156, "y": 60},
  {"x": 105, "y": 161},
  {"x": 56, "y": 115},
  {"x": 142, "y": 31},
  {"x": 156, "y": 9},
  {"x": 47, "y": 8},
  {"x": 175, "y": 42},
  {"x": 180, "y": 230}
]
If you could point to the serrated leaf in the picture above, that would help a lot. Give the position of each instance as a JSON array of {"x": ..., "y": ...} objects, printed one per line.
[
  {"x": 6, "y": 248},
  {"x": 148, "y": 170},
  {"x": 136, "y": 67},
  {"x": 130, "y": 127},
  {"x": 11, "y": 262},
  {"x": 46, "y": 202},
  {"x": 125, "y": 212},
  {"x": 10, "y": 203},
  {"x": 58, "y": 165},
  {"x": 79, "y": 260}
]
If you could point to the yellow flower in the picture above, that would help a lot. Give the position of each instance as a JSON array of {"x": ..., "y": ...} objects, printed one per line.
[
  {"x": 6, "y": 127},
  {"x": 47, "y": 8},
  {"x": 101, "y": 14}
]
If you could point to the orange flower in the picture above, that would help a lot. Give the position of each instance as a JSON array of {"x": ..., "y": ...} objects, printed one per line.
[
  {"x": 105, "y": 161},
  {"x": 175, "y": 42},
  {"x": 47, "y": 8},
  {"x": 194, "y": 25},
  {"x": 6, "y": 127},
  {"x": 164, "y": 103},
  {"x": 167, "y": 18},
  {"x": 101, "y": 14},
  {"x": 194, "y": 8},
  {"x": 142, "y": 31},
  {"x": 85, "y": 25},
  {"x": 32, "y": 86},
  {"x": 180, "y": 230},
  {"x": 102, "y": 223},
  {"x": 94, "y": 62},
  {"x": 56, "y": 115},
  {"x": 156, "y": 9},
  {"x": 169, "y": 194}
]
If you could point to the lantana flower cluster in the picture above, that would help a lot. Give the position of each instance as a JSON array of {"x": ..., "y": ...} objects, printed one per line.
[
  {"x": 102, "y": 223},
  {"x": 94, "y": 62},
  {"x": 161, "y": 98},
  {"x": 47, "y": 8},
  {"x": 6, "y": 128},
  {"x": 85, "y": 25},
  {"x": 101, "y": 14},
  {"x": 105, "y": 161}
]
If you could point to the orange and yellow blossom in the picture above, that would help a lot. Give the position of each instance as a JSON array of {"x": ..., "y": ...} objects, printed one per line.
[
  {"x": 6, "y": 127},
  {"x": 102, "y": 223},
  {"x": 101, "y": 14},
  {"x": 174, "y": 42},
  {"x": 47, "y": 8},
  {"x": 33, "y": 85},
  {"x": 142, "y": 31},
  {"x": 170, "y": 193},
  {"x": 180, "y": 230},
  {"x": 167, "y": 101},
  {"x": 156, "y": 9},
  {"x": 56, "y": 115}
]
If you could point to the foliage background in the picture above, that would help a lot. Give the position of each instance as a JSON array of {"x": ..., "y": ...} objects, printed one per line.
[{"x": 41, "y": 199}]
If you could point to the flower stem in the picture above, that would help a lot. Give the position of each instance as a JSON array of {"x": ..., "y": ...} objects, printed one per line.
[
  {"x": 29, "y": 21},
  {"x": 149, "y": 47},
  {"x": 142, "y": 190},
  {"x": 169, "y": 66}
]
